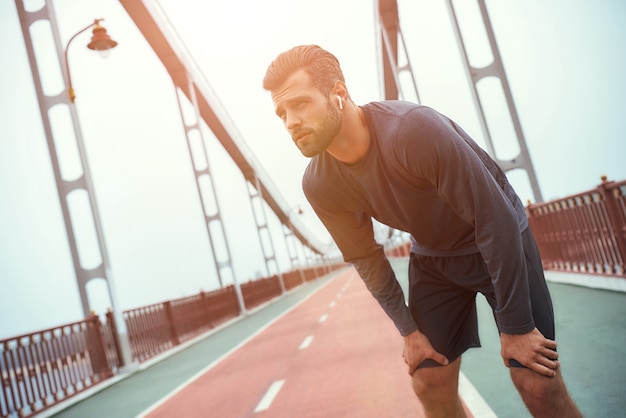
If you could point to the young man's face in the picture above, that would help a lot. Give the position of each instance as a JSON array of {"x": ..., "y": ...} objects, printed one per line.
[{"x": 310, "y": 118}]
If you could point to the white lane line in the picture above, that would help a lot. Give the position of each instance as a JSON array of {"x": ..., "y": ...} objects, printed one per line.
[
  {"x": 332, "y": 304},
  {"x": 476, "y": 404},
  {"x": 306, "y": 343},
  {"x": 271, "y": 393},
  {"x": 200, "y": 373},
  {"x": 323, "y": 318}
]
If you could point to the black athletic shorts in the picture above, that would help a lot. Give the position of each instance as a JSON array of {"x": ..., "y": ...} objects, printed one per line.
[{"x": 442, "y": 298}]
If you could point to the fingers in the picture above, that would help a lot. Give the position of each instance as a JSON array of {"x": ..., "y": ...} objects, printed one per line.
[
  {"x": 547, "y": 360},
  {"x": 548, "y": 363},
  {"x": 417, "y": 348},
  {"x": 551, "y": 344},
  {"x": 544, "y": 370},
  {"x": 412, "y": 363},
  {"x": 532, "y": 350},
  {"x": 549, "y": 354},
  {"x": 546, "y": 367},
  {"x": 441, "y": 359},
  {"x": 545, "y": 364},
  {"x": 437, "y": 357}
]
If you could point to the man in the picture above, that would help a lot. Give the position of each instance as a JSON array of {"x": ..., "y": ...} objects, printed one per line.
[{"x": 415, "y": 170}]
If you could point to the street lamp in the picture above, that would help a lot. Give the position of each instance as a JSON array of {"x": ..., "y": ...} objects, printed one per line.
[
  {"x": 100, "y": 41},
  {"x": 82, "y": 183}
]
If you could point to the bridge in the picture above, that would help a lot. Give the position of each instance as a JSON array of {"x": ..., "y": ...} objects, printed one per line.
[
  {"x": 310, "y": 354},
  {"x": 280, "y": 267}
]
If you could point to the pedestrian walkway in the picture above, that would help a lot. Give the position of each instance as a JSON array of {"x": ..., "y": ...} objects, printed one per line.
[
  {"x": 591, "y": 333},
  {"x": 319, "y": 360},
  {"x": 327, "y": 350},
  {"x": 137, "y": 392}
]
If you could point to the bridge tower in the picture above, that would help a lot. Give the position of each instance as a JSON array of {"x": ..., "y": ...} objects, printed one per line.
[{"x": 393, "y": 52}]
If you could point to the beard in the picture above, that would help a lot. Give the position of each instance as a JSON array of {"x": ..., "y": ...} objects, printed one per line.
[{"x": 322, "y": 135}]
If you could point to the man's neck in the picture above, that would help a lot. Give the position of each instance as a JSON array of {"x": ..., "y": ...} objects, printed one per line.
[{"x": 353, "y": 140}]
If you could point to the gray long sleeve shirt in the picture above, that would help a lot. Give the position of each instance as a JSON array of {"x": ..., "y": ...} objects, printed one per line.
[{"x": 424, "y": 175}]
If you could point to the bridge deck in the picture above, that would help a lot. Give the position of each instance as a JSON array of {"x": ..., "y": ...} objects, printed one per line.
[{"x": 327, "y": 350}]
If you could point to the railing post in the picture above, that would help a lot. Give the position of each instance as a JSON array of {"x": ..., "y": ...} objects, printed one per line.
[
  {"x": 617, "y": 220},
  {"x": 170, "y": 322},
  {"x": 110, "y": 320},
  {"x": 99, "y": 361}
]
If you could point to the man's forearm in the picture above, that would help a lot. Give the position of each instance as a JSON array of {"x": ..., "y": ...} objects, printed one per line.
[{"x": 380, "y": 280}]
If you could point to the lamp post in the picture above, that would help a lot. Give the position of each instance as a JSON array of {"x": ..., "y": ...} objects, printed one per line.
[
  {"x": 79, "y": 188},
  {"x": 100, "y": 41}
]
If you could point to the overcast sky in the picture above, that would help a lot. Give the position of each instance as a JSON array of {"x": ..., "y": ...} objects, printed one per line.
[{"x": 565, "y": 61}]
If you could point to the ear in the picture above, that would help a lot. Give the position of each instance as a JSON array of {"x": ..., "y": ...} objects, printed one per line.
[{"x": 340, "y": 89}]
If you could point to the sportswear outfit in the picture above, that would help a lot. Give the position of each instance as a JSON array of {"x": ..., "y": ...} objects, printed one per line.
[{"x": 469, "y": 233}]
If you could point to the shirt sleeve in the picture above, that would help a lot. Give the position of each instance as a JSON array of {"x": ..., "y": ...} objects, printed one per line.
[
  {"x": 353, "y": 234},
  {"x": 431, "y": 146}
]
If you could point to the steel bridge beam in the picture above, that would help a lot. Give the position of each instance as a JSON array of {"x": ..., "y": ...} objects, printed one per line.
[
  {"x": 172, "y": 53},
  {"x": 392, "y": 48}
]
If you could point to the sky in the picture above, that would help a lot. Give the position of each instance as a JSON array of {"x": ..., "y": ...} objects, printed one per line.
[{"x": 564, "y": 60}]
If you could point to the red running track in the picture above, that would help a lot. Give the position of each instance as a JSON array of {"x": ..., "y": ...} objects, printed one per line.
[{"x": 334, "y": 355}]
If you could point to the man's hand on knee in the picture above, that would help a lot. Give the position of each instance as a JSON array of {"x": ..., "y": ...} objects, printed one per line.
[
  {"x": 532, "y": 350},
  {"x": 417, "y": 348}
]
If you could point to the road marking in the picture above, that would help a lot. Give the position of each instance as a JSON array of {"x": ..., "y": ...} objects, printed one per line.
[
  {"x": 332, "y": 304},
  {"x": 476, "y": 404},
  {"x": 271, "y": 393},
  {"x": 306, "y": 343},
  {"x": 323, "y": 318},
  {"x": 200, "y": 373}
]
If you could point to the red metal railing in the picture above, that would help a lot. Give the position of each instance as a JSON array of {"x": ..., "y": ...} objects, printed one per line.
[
  {"x": 258, "y": 291},
  {"x": 156, "y": 328},
  {"x": 40, "y": 369},
  {"x": 293, "y": 279},
  {"x": 584, "y": 233}
]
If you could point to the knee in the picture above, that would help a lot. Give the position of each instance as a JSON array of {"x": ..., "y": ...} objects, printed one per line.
[
  {"x": 439, "y": 395},
  {"x": 533, "y": 386},
  {"x": 434, "y": 387},
  {"x": 438, "y": 390},
  {"x": 544, "y": 396}
]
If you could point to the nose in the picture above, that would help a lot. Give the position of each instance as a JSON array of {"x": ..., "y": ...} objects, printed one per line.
[{"x": 291, "y": 121}]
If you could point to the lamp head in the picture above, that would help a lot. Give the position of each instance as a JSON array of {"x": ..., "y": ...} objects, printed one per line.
[{"x": 100, "y": 40}]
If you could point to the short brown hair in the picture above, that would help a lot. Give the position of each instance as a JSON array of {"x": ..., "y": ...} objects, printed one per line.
[{"x": 321, "y": 65}]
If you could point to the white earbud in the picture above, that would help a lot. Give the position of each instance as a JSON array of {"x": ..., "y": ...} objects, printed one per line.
[{"x": 340, "y": 103}]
